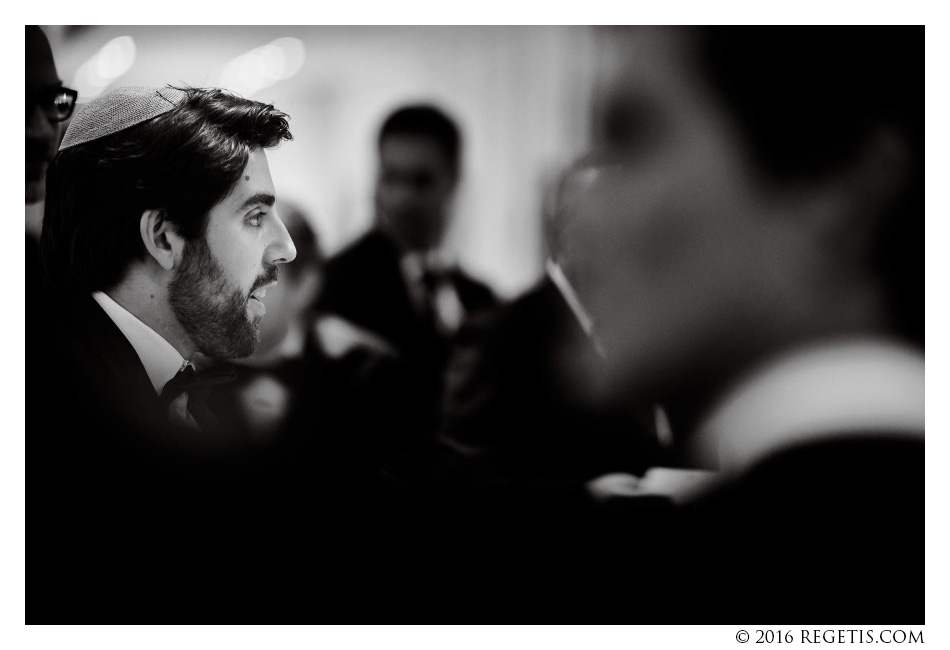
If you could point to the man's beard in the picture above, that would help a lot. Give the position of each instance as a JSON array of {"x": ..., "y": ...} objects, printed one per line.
[{"x": 211, "y": 309}]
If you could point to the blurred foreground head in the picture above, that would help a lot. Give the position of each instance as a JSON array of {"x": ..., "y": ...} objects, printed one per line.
[
  {"x": 752, "y": 188},
  {"x": 419, "y": 153}
]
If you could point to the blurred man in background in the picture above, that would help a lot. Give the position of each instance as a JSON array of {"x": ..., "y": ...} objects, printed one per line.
[
  {"x": 395, "y": 284},
  {"x": 752, "y": 259}
]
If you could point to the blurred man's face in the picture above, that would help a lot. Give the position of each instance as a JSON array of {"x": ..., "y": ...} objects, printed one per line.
[
  {"x": 218, "y": 290},
  {"x": 42, "y": 135},
  {"x": 684, "y": 258},
  {"x": 413, "y": 190}
]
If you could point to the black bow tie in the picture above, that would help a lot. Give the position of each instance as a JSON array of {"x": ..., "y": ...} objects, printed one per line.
[{"x": 197, "y": 384}]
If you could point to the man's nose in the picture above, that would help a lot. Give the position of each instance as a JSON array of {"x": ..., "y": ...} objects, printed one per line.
[{"x": 282, "y": 249}]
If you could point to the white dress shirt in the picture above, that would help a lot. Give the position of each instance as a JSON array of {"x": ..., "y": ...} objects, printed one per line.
[
  {"x": 445, "y": 302},
  {"x": 817, "y": 392},
  {"x": 160, "y": 358},
  {"x": 837, "y": 388}
]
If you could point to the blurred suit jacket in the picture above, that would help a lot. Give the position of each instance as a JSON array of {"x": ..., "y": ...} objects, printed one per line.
[
  {"x": 825, "y": 531},
  {"x": 517, "y": 438},
  {"x": 365, "y": 285},
  {"x": 817, "y": 512}
]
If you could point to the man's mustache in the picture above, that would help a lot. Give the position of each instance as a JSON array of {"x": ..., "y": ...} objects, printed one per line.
[{"x": 269, "y": 276}]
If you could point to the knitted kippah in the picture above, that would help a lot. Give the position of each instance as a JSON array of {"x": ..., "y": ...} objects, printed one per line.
[{"x": 119, "y": 109}]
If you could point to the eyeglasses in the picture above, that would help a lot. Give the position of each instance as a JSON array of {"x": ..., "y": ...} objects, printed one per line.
[{"x": 57, "y": 104}]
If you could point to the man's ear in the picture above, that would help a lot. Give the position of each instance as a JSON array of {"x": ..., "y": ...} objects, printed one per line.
[{"x": 161, "y": 240}]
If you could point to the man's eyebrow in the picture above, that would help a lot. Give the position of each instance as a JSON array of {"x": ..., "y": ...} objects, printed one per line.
[{"x": 257, "y": 199}]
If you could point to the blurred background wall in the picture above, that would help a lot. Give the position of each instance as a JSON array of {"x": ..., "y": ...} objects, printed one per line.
[{"x": 520, "y": 94}]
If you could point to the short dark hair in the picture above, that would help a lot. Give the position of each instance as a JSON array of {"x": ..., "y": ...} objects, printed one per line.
[
  {"x": 426, "y": 121},
  {"x": 183, "y": 162},
  {"x": 808, "y": 98}
]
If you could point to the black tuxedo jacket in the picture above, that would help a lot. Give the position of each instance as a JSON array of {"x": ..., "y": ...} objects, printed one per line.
[
  {"x": 828, "y": 532},
  {"x": 101, "y": 485},
  {"x": 129, "y": 520},
  {"x": 84, "y": 375}
]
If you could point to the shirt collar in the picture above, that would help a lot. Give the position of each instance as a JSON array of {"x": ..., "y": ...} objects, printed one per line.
[
  {"x": 850, "y": 387},
  {"x": 161, "y": 360}
]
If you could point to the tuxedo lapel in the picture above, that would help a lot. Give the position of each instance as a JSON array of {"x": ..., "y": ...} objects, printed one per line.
[{"x": 115, "y": 361}]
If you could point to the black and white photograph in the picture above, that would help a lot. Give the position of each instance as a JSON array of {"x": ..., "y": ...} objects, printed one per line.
[{"x": 477, "y": 324}]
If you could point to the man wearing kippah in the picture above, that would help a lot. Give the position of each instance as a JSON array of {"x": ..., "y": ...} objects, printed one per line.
[
  {"x": 160, "y": 231},
  {"x": 160, "y": 240}
]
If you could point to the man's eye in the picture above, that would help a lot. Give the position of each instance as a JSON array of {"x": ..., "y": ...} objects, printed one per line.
[{"x": 255, "y": 220}]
